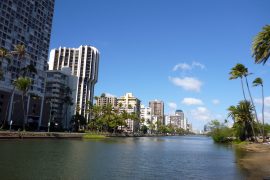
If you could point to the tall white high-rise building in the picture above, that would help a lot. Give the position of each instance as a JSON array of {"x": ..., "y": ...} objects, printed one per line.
[{"x": 84, "y": 62}]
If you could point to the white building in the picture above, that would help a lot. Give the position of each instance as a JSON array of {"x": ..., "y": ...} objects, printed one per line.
[
  {"x": 84, "y": 63},
  {"x": 130, "y": 104},
  {"x": 146, "y": 115}
]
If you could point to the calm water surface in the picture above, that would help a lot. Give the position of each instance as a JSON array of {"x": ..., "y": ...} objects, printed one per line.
[{"x": 188, "y": 157}]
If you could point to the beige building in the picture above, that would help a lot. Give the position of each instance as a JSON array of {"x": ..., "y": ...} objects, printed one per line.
[
  {"x": 130, "y": 104},
  {"x": 105, "y": 101}
]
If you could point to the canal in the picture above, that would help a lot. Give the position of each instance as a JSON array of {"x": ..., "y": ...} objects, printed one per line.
[{"x": 179, "y": 157}]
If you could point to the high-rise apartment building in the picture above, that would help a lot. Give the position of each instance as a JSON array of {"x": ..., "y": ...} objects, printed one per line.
[
  {"x": 27, "y": 23},
  {"x": 84, "y": 62},
  {"x": 157, "y": 109}
]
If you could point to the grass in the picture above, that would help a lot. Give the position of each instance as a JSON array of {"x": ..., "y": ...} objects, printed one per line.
[{"x": 94, "y": 136}]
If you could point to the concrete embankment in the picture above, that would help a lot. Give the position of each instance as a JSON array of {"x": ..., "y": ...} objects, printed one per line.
[{"x": 28, "y": 135}]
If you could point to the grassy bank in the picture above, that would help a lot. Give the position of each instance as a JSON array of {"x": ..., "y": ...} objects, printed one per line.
[{"x": 94, "y": 136}]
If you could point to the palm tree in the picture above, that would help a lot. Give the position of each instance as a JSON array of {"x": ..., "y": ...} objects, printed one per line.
[
  {"x": 20, "y": 52},
  {"x": 261, "y": 45},
  {"x": 23, "y": 84},
  {"x": 241, "y": 71},
  {"x": 232, "y": 112},
  {"x": 238, "y": 71},
  {"x": 244, "y": 115},
  {"x": 259, "y": 82}
]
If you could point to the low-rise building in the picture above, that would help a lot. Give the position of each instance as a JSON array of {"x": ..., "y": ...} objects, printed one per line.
[{"x": 104, "y": 100}]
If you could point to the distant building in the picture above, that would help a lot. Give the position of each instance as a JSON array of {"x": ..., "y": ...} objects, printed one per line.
[
  {"x": 146, "y": 115},
  {"x": 84, "y": 62},
  {"x": 105, "y": 101},
  {"x": 130, "y": 104},
  {"x": 178, "y": 120},
  {"x": 157, "y": 109},
  {"x": 61, "y": 90}
]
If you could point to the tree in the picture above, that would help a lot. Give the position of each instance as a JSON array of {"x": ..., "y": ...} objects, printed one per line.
[
  {"x": 232, "y": 112},
  {"x": 259, "y": 82},
  {"x": 261, "y": 45},
  {"x": 238, "y": 71},
  {"x": 241, "y": 71},
  {"x": 77, "y": 120},
  {"x": 23, "y": 84}
]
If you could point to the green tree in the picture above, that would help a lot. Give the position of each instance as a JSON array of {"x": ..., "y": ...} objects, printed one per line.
[
  {"x": 23, "y": 84},
  {"x": 77, "y": 121},
  {"x": 238, "y": 71},
  {"x": 261, "y": 45},
  {"x": 241, "y": 71},
  {"x": 259, "y": 82}
]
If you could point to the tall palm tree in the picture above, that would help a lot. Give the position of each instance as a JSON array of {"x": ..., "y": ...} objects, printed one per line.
[
  {"x": 241, "y": 71},
  {"x": 23, "y": 84},
  {"x": 261, "y": 45},
  {"x": 20, "y": 52},
  {"x": 259, "y": 82},
  {"x": 238, "y": 71}
]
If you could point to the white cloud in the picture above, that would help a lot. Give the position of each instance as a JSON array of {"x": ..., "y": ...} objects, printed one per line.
[
  {"x": 266, "y": 101},
  {"x": 185, "y": 66},
  {"x": 187, "y": 83},
  {"x": 192, "y": 101},
  {"x": 215, "y": 101},
  {"x": 172, "y": 105},
  {"x": 197, "y": 64},
  {"x": 201, "y": 113},
  {"x": 109, "y": 95},
  {"x": 182, "y": 66}
]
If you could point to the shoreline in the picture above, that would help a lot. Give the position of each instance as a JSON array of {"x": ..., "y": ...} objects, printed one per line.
[
  {"x": 39, "y": 135},
  {"x": 68, "y": 135},
  {"x": 256, "y": 160}
]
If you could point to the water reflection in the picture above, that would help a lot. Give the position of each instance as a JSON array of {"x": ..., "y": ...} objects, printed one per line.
[{"x": 189, "y": 157}]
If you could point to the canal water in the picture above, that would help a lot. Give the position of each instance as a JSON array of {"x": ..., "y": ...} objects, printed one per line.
[{"x": 179, "y": 157}]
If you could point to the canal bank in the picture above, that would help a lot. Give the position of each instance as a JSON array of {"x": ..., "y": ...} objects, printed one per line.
[
  {"x": 255, "y": 160},
  {"x": 36, "y": 135}
]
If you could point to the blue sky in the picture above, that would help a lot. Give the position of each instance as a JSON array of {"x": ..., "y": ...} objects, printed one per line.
[{"x": 178, "y": 51}]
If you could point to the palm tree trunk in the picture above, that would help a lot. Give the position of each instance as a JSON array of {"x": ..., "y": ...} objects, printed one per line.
[
  {"x": 263, "y": 115},
  {"x": 23, "y": 112},
  {"x": 242, "y": 84},
  {"x": 256, "y": 116}
]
